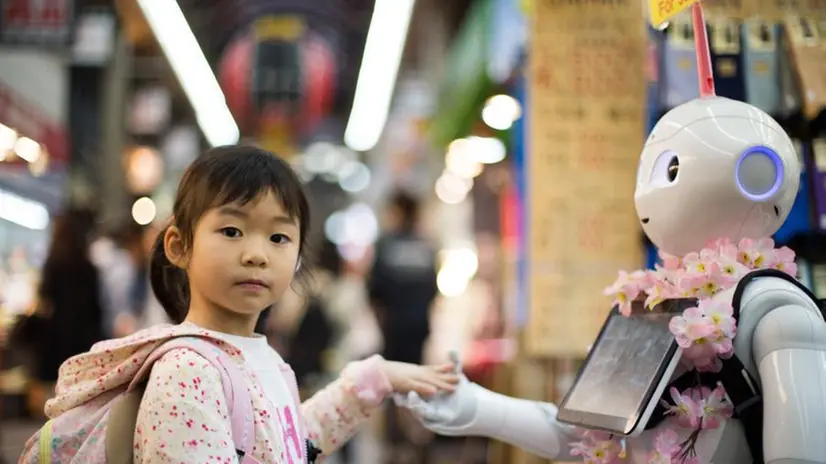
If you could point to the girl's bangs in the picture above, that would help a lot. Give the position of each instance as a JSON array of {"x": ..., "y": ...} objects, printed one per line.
[{"x": 243, "y": 179}]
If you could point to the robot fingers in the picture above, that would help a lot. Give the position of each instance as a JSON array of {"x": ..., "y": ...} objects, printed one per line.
[
  {"x": 427, "y": 411},
  {"x": 456, "y": 360}
]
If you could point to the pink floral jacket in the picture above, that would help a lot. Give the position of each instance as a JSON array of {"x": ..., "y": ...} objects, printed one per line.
[{"x": 189, "y": 433}]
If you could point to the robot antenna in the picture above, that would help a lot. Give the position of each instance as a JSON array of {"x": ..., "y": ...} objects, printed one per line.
[{"x": 704, "y": 69}]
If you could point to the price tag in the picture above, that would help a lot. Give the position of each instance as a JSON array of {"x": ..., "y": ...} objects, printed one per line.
[{"x": 661, "y": 11}]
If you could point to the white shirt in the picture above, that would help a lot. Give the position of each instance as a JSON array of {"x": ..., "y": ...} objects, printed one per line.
[{"x": 262, "y": 360}]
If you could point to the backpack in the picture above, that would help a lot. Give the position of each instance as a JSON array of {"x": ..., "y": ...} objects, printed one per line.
[{"x": 104, "y": 427}]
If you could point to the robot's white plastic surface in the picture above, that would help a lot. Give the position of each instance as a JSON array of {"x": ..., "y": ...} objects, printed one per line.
[{"x": 712, "y": 168}]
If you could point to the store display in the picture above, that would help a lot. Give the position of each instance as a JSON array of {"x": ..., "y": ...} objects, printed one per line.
[
  {"x": 789, "y": 86},
  {"x": 761, "y": 65},
  {"x": 727, "y": 58},
  {"x": 818, "y": 176},
  {"x": 679, "y": 66},
  {"x": 799, "y": 220},
  {"x": 807, "y": 57}
]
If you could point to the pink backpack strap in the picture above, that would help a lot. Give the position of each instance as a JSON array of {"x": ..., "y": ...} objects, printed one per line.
[{"x": 238, "y": 397}]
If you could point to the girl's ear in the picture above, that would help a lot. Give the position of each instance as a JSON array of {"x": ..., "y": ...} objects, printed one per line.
[{"x": 174, "y": 248}]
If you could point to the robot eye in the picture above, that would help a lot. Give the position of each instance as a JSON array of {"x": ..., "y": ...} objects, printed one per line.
[
  {"x": 666, "y": 169},
  {"x": 759, "y": 173},
  {"x": 673, "y": 168}
]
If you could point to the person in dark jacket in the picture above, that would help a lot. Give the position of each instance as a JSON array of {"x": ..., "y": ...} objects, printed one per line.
[{"x": 401, "y": 288}]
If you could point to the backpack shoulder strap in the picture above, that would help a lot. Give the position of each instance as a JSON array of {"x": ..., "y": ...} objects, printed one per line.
[
  {"x": 744, "y": 390},
  {"x": 235, "y": 391},
  {"x": 748, "y": 278}
]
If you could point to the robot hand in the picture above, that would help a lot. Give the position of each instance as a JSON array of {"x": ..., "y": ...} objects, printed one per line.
[
  {"x": 472, "y": 410},
  {"x": 445, "y": 413}
]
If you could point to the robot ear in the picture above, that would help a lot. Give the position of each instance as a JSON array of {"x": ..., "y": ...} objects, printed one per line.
[{"x": 759, "y": 173}]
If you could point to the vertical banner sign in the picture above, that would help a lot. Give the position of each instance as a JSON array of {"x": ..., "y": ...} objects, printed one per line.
[{"x": 587, "y": 114}]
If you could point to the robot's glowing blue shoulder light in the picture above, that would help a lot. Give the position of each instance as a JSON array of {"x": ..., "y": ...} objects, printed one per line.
[{"x": 759, "y": 173}]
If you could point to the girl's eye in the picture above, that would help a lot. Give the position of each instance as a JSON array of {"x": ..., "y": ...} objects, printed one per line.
[
  {"x": 231, "y": 232},
  {"x": 280, "y": 239}
]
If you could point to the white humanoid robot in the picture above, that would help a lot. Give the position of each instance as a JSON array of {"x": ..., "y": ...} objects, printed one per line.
[{"x": 711, "y": 169}]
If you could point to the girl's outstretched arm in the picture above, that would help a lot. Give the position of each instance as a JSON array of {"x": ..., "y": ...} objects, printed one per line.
[
  {"x": 332, "y": 416},
  {"x": 184, "y": 416}
]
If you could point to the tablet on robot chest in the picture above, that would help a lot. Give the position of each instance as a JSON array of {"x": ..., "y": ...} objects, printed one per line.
[{"x": 626, "y": 371}]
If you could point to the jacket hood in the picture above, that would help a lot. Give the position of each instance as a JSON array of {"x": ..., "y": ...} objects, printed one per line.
[{"x": 111, "y": 364}]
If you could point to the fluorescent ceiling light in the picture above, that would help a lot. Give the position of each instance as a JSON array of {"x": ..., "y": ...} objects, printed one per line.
[
  {"x": 192, "y": 69},
  {"x": 23, "y": 212},
  {"x": 377, "y": 76}
]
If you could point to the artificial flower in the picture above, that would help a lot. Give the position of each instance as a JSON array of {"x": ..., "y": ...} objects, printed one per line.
[
  {"x": 690, "y": 327},
  {"x": 626, "y": 289},
  {"x": 597, "y": 448},
  {"x": 666, "y": 447},
  {"x": 732, "y": 269},
  {"x": 784, "y": 261},
  {"x": 721, "y": 315},
  {"x": 756, "y": 254},
  {"x": 660, "y": 290},
  {"x": 686, "y": 410},
  {"x": 698, "y": 263},
  {"x": 715, "y": 407}
]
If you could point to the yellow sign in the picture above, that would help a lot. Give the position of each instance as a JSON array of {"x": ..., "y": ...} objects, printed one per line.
[
  {"x": 288, "y": 28},
  {"x": 660, "y": 11}
]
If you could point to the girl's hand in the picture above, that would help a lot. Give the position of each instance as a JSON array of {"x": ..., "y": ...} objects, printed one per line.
[{"x": 424, "y": 380}]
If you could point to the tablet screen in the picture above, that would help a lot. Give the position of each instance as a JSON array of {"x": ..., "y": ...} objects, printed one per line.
[{"x": 624, "y": 368}]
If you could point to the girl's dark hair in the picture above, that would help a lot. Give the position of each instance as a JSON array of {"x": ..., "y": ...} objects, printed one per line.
[{"x": 223, "y": 175}]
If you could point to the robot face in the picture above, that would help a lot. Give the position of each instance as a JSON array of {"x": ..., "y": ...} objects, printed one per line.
[{"x": 715, "y": 168}]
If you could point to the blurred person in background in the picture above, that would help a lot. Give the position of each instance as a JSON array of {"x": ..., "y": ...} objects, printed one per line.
[
  {"x": 309, "y": 343},
  {"x": 69, "y": 303},
  {"x": 340, "y": 301},
  {"x": 401, "y": 288},
  {"x": 122, "y": 260}
]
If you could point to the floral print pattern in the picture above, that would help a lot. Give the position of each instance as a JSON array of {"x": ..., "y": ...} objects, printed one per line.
[{"x": 187, "y": 419}]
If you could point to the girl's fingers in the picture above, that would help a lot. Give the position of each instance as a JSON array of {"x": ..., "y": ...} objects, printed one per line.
[
  {"x": 447, "y": 367},
  {"x": 442, "y": 381},
  {"x": 422, "y": 388},
  {"x": 444, "y": 385}
]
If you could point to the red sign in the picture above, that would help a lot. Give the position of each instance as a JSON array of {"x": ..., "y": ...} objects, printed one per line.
[
  {"x": 37, "y": 20},
  {"x": 29, "y": 121},
  {"x": 511, "y": 220}
]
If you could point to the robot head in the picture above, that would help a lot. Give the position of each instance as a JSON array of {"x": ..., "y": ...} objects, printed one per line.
[{"x": 715, "y": 168}]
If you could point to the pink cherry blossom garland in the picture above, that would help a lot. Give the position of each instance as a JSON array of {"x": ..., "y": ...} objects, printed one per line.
[{"x": 705, "y": 334}]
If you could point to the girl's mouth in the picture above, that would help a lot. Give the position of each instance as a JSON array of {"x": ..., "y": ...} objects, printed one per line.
[{"x": 253, "y": 284}]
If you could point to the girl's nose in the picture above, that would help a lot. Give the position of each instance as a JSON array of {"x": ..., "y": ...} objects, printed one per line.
[{"x": 254, "y": 255}]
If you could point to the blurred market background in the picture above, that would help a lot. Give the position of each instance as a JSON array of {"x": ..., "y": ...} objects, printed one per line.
[{"x": 507, "y": 131}]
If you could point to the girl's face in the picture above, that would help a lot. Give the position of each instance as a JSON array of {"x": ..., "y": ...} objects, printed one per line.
[{"x": 243, "y": 257}]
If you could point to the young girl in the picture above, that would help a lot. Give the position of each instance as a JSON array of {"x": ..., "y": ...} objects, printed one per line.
[{"x": 235, "y": 245}]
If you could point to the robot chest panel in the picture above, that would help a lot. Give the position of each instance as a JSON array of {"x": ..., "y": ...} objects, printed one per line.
[{"x": 724, "y": 445}]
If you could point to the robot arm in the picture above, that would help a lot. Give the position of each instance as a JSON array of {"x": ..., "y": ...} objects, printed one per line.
[
  {"x": 789, "y": 349},
  {"x": 475, "y": 411}
]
